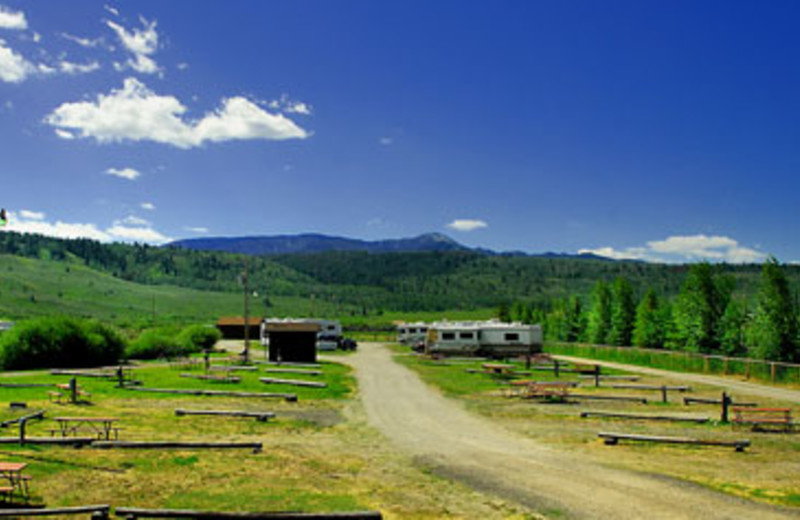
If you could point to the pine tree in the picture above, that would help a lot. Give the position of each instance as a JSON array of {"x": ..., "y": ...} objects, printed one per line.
[
  {"x": 600, "y": 315},
  {"x": 775, "y": 327},
  {"x": 649, "y": 330},
  {"x": 623, "y": 313},
  {"x": 698, "y": 308}
]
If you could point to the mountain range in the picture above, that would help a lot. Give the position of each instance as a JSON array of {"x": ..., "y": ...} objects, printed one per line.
[{"x": 308, "y": 243}]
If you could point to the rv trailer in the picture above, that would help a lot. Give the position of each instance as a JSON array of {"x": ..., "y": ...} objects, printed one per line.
[
  {"x": 412, "y": 334},
  {"x": 488, "y": 338}
]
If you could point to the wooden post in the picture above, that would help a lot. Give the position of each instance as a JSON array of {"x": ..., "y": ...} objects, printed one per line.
[
  {"x": 747, "y": 369},
  {"x": 206, "y": 359},
  {"x": 772, "y": 371},
  {"x": 663, "y": 394},
  {"x": 73, "y": 390},
  {"x": 555, "y": 368},
  {"x": 597, "y": 376},
  {"x": 22, "y": 424},
  {"x": 726, "y": 402}
]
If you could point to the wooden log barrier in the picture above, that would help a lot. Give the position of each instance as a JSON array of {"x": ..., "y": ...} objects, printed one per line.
[
  {"x": 288, "y": 364},
  {"x": 631, "y": 399},
  {"x": 97, "y": 512},
  {"x": 700, "y": 400},
  {"x": 649, "y": 417},
  {"x": 58, "y": 441},
  {"x": 212, "y": 377},
  {"x": 234, "y": 368},
  {"x": 35, "y": 415},
  {"x": 259, "y": 416},
  {"x": 133, "y": 513},
  {"x": 293, "y": 382},
  {"x": 255, "y": 446},
  {"x": 611, "y": 439},
  {"x": 302, "y": 371},
  {"x": 215, "y": 393}
]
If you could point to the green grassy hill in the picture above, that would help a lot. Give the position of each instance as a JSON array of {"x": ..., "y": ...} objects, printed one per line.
[{"x": 33, "y": 287}]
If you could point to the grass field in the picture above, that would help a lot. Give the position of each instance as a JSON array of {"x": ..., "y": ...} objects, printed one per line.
[
  {"x": 768, "y": 471},
  {"x": 319, "y": 453}
]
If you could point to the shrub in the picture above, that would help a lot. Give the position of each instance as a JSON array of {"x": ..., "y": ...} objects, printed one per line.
[
  {"x": 154, "y": 344},
  {"x": 196, "y": 338},
  {"x": 59, "y": 342}
]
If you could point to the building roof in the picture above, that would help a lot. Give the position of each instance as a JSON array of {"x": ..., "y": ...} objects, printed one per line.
[
  {"x": 231, "y": 321},
  {"x": 292, "y": 326}
]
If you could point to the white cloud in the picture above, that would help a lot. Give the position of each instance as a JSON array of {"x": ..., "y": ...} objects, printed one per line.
[
  {"x": 149, "y": 206},
  {"x": 13, "y": 67},
  {"x": 182, "y": 66},
  {"x": 59, "y": 229},
  {"x": 299, "y": 107},
  {"x": 142, "y": 43},
  {"x": 63, "y": 134},
  {"x": 135, "y": 113},
  {"x": 111, "y": 9},
  {"x": 467, "y": 224},
  {"x": 136, "y": 234},
  {"x": 386, "y": 141},
  {"x": 686, "y": 248},
  {"x": 31, "y": 215},
  {"x": 132, "y": 220},
  {"x": 197, "y": 229},
  {"x": 130, "y": 229},
  {"x": 72, "y": 69},
  {"x": 12, "y": 20},
  {"x": 123, "y": 173},
  {"x": 83, "y": 42}
]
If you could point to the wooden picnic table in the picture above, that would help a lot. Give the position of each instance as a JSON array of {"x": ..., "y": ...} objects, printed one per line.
[
  {"x": 99, "y": 426},
  {"x": 12, "y": 472},
  {"x": 498, "y": 368}
]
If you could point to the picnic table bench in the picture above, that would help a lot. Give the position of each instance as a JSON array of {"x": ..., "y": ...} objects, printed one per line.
[
  {"x": 65, "y": 391},
  {"x": 16, "y": 482},
  {"x": 102, "y": 427},
  {"x": 498, "y": 369},
  {"x": 547, "y": 390},
  {"x": 760, "y": 417}
]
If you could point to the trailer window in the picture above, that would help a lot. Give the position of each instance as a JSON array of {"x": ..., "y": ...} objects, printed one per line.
[
  {"x": 512, "y": 336},
  {"x": 467, "y": 335},
  {"x": 448, "y": 336}
]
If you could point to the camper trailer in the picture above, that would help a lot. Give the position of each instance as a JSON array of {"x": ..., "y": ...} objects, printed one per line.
[
  {"x": 412, "y": 334},
  {"x": 486, "y": 338}
]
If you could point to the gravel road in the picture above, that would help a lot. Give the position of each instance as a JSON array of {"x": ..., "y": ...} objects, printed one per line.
[
  {"x": 729, "y": 385},
  {"x": 441, "y": 433}
]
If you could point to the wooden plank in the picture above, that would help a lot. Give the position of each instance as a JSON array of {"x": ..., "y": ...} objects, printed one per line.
[
  {"x": 260, "y": 416},
  {"x": 293, "y": 382},
  {"x": 131, "y": 512},
  {"x": 294, "y": 371},
  {"x": 78, "y": 510},
  {"x": 35, "y": 415},
  {"x": 700, "y": 400},
  {"x": 234, "y": 368},
  {"x": 288, "y": 364},
  {"x": 612, "y": 377},
  {"x": 65, "y": 441},
  {"x": 215, "y": 393},
  {"x": 632, "y": 399},
  {"x": 26, "y": 385},
  {"x": 679, "y": 388},
  {"x": 649, "y": 417},
  {"x": 612, "y": 438},
  {"x": 255, "y": 446},
  {"x": 211, "y": 377}
]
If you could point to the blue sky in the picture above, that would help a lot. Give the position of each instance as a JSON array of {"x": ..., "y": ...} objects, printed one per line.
[{"x": 659, "y": 130}]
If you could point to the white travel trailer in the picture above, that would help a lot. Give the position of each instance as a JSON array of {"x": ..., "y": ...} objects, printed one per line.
[
  {"x": 412, "y": 334},
  {"x": 483, "y": 338}
]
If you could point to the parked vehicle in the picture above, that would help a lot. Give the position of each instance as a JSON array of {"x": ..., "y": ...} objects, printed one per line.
[{"x": 483, "y": 338}]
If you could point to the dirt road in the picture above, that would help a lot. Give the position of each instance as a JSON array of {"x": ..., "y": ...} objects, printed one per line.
[
  {"x": 442, "y": 434},
  {"x": 730, "y": 385}
]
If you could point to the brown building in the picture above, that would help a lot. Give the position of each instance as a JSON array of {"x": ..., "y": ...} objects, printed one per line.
[
  {"x": 293, "y": 341},
  {"x": 232, "y": 327}
]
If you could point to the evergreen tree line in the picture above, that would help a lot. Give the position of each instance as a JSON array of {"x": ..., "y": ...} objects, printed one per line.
[{"x": 706, "y": 316}]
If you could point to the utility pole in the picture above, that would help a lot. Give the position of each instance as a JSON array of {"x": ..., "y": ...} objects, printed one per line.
[{"x": 246, "y": 353}]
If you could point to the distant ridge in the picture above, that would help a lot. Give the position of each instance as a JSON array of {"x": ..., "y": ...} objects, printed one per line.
[
  {"x": 308, "y": 243},
  {"x": 317, "y": 243}
]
